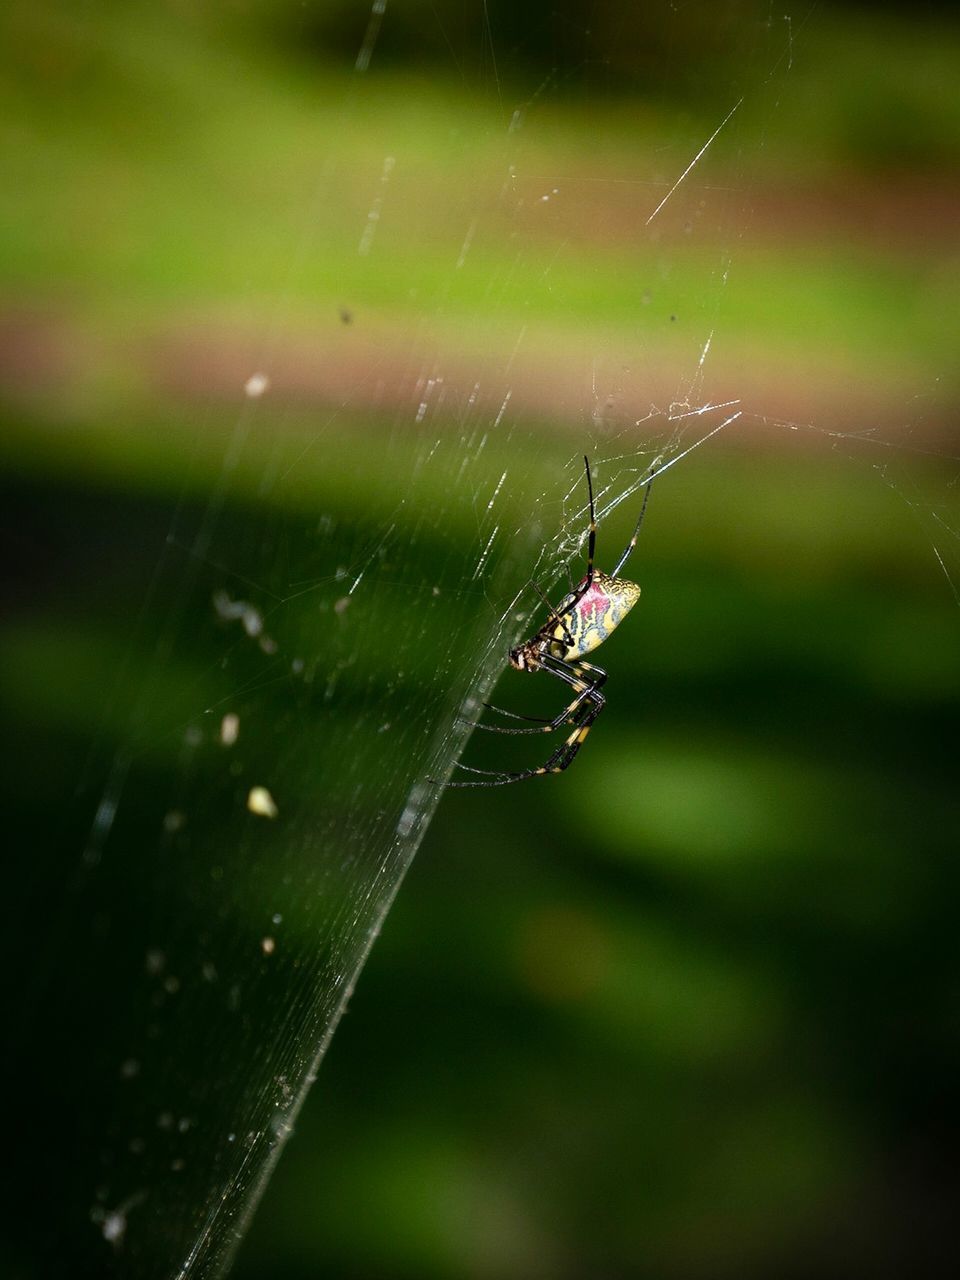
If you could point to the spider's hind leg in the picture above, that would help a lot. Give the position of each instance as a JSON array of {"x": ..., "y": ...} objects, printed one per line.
[
  {"x": 585, "y": 679},
  {"x": 583, "y": 710},
  {"x": 561, "y": 759}
]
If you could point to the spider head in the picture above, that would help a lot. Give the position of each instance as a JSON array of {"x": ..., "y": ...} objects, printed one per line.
[{"x": 525, "y": 656}]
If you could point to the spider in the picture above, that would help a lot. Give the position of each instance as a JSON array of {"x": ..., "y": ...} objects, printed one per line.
[{"x": 580, "y": 623}]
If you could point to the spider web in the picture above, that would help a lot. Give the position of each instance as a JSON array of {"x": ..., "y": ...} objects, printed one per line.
[{"x": 326, "y": 599}]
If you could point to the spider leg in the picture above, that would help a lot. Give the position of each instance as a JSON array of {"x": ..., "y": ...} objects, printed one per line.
[
  {"x": 561, "y": 759},
  {"x": 636, "y": 529},
  {"x": 584, "y": 687},
  {"x": 592, "y": 540},
  {"x": 571, "y": 601},
  {"x": 554, "y": 615},
  {"x": 584, "y": 710}
]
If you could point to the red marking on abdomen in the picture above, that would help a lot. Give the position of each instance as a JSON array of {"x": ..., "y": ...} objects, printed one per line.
[{"x": 594, "y": 604}]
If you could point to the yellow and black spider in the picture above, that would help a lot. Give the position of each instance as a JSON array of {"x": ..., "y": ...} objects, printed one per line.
[{"x": 578, "y": 625}]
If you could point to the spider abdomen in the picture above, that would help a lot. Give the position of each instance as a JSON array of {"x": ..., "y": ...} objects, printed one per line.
[{"x": 597, "y": 613}]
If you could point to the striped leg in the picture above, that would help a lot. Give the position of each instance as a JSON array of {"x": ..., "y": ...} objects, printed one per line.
[
  {"x": 589, "y": 702},
  {"x": 587, "y": 680}
]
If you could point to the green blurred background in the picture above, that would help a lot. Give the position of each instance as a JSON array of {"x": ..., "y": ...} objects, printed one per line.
[{"x": 694, "y": 1008}]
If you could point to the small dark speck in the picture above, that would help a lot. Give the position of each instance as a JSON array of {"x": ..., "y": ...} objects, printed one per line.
[
  {"x": 346, "y": 315},
  {"x": 673, "y": 319}
]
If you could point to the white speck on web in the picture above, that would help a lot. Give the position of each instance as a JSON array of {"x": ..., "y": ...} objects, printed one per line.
[
  {"x": 706, "y": 349},
  {"x": 503, "y": 408},
  {"x": 422, "y": 408},
  {"x": 256, "y": 385},
  {"x": 467, "y": 242},
  {"x": 232, "y": 610},
  {"x": 496, "y": 492},
  {"x": 486, "y": 553},
  {"x": 113, "y": 1222},
  {"x": 413, "y": 809},
  {"x": 513, "y": 354},
  {"x": 370, "y": 37},
  {"x": 373, "y": 217},
  {"x": 114, "y": 1227},
  {"x": 262, "y": 803},
  {"x": 106, "y": 811}
]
